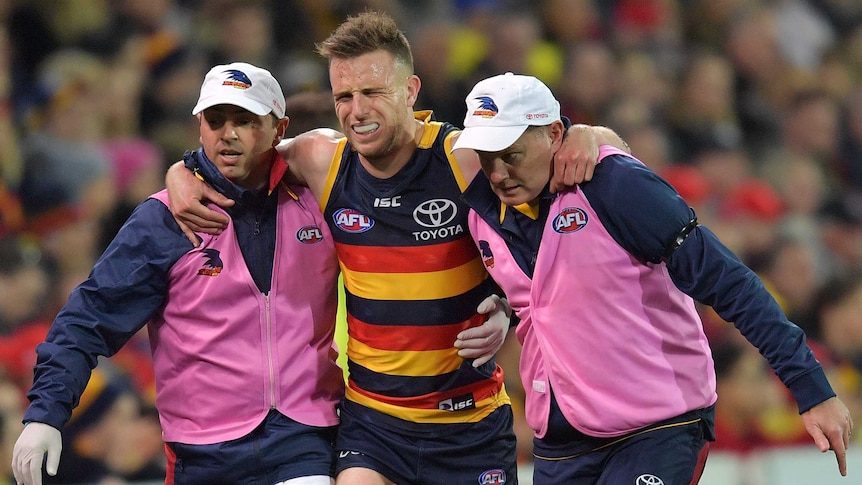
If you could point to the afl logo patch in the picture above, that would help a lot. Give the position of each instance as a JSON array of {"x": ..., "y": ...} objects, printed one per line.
[
  {"x": 570, "y": 219},
  {"x": 309, "y": 235},
  {"x": 350, "y": 220},
  {"x": 493, "y": 477}
]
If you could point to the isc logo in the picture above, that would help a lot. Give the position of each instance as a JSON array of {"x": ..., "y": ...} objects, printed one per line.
[
  {"x": 570, "y": 219},
  {"x": 309, "y": 235},
  {"x": 458, "y": 403},
  {"x": 492, "y": 477},
  {"x": 387, "y": 201},
  {"x": 350, "y": 220}
]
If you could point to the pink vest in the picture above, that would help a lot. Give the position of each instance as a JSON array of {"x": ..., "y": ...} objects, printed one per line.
[
  {"x": 225, "y": 354},
  {"x": 619, "y": 344}
]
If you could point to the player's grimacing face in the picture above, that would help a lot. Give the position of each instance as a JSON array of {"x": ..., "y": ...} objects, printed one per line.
[
  {"x": 237, "y": 141},
  {"x": 372, "y": 101}
]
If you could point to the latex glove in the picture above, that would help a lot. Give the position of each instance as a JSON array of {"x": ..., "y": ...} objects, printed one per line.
[
  {"x": 482, "y": 342},
  {"x": 187, "y": 194},
  {"x": 35, "y": 440},
  {"x": 829, "y": 423}
]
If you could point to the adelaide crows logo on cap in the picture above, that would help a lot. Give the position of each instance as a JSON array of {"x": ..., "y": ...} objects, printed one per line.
[
  {"x": 487, "y": 107},
  {"x": 237, "y": 79},
  {"x": 213, "y": 264}
]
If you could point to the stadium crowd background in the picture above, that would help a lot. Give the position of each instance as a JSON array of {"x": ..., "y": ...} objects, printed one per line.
[{"x": 752, "y": 109}]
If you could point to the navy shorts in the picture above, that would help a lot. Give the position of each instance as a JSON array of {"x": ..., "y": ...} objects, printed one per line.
[
  {"x": 278, "y": 449},
  {"x": 469, "y": 453},
  {"x": 672, "y": 452}
]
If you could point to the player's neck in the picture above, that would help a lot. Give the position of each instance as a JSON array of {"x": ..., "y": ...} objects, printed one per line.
[{"x": 391, "y": 163}]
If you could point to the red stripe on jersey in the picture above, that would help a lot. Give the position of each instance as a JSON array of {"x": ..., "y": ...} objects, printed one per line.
[
  {"x": 481, "y": 390},
  {"x": 408, "y": 337},
  {"x": 386, "y": 259}
]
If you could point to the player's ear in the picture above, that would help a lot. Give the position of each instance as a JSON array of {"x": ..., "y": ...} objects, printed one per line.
[{"x": 413, "y": 85}]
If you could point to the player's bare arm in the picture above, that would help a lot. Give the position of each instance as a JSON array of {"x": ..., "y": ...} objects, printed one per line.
[
  {"x": 576, "y": 159},
  {"x": 309, "y": 157},
  {"x": 574, "y": 162},
  {"x": 187, "y": 194}
]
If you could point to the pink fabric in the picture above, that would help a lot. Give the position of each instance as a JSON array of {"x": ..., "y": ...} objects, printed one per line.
[
  {"x": 619, "y": 344},
  {"x": 225, "y": 354}
]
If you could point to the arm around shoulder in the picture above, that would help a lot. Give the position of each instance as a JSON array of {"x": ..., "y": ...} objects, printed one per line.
[
  {"x": 309, "y": 156},
  {"x": 607, "y": 136},
  {"x": 187, "y": 194}
]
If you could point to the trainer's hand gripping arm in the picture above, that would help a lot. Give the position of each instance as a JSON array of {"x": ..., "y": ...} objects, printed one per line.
[
  {"x": 35, "y": 440},
  {"x": 482, "y": 342}
]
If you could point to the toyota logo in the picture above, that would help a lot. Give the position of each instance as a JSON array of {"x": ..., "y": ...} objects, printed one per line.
[
  {"x": 435, "y": 212},
  {"x": 647, "y": 479}
]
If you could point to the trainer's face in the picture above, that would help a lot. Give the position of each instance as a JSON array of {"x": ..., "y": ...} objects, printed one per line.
[
  {"x": 518, "y": 174},
  {"x": 239, "y": 143},
  {"x": 374, "y": 97}
]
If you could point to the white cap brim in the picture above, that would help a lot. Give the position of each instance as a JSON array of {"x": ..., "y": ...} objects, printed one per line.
[
  {"x": 489, "y": 138},
  {"x": 225, "y": 98}
]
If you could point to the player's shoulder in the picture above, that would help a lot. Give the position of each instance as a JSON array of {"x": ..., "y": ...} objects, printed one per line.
[
  {"x": 314, "y": 147},
  {"x": 465, "y": 159}
]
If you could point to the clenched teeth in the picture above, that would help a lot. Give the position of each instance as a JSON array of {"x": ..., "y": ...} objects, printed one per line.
[{"x": 363, "y": 129}]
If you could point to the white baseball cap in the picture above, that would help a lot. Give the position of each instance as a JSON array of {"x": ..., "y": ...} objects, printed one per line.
[
  {"x": 500, "y": 108},
  {"x": 241, "y": 84}
]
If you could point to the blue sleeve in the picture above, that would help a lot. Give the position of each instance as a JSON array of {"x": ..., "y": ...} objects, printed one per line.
[
  {"x": 126, "y": 287},
  {"x": 640, "y": 210},
  {"x": 703, "y": 268},
  {"x": 645, "y": 214}
]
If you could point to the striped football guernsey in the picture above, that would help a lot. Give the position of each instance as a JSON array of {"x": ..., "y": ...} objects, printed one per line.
[{"x": 413, "y": 279}]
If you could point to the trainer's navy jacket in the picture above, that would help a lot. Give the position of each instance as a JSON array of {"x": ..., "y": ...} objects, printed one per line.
[
  {"x": 230, "y": 340},
  {"x": 606, "y": 301}
]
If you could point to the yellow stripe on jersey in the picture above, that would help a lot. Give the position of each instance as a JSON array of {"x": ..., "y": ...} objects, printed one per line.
[
  {"x": 432, "y": 128},
  {"x": 334, "y": 165},
  {"x": 412, "y": 286},
  {"x": 453, "y": 163},
  {"x": 483, "y": 408},
  {"x": 404, "y": 363}
]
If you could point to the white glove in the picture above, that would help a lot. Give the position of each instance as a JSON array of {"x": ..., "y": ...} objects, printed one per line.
[
  {"x": 35, "y": 440},
  {"x": 482, "y": 342}
]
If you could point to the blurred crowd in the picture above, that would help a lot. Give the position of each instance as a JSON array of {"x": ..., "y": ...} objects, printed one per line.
[{"x": 752, "y": 109}]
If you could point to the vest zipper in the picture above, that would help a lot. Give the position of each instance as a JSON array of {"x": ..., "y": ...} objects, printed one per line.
[{"x": 269, "y": 360}]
